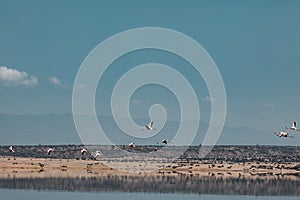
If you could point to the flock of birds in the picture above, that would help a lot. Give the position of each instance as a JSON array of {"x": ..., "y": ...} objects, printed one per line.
[
  {"x": 83, "y": 151},
  {"x": 286, "y": 134},
  {"x": 148, "y": 127},
  {"x": 49, "y": 151}
]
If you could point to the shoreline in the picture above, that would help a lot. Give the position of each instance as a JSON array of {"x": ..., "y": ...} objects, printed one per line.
[
  {"x": 94, "y": 176},
  {"x": 20, "y": 167}
]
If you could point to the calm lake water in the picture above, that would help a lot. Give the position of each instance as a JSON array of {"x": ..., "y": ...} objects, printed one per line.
[
  {"x": 63, "y": 195},
  {"x": 195, "y": 185},
  {"x": 128, "y": 187}
]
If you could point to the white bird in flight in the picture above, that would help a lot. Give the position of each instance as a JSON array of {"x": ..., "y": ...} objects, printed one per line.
[
  {"x": 131, "y": 145},
  {"x": 49, "y": 151},
  {"x": 164, "y": 141},
  {"x": 83, "y": 151},
  {"x": 293, "y": 127},
  {"x": 149, "y": 126},
  {"x": 283, "y": 134},
  {"x": 97, "y": 153},
  {"x": 11, "y": 149}
]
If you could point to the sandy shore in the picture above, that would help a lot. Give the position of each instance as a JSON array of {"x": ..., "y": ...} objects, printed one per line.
[
  {"x": 44, "y": 167},
  {"x": 19, "y": 167}
]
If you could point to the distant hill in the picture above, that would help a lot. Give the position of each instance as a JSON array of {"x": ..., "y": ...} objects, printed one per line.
[
  {"x": 38, "y": 129},
  {"x": 60, "y": 129}
]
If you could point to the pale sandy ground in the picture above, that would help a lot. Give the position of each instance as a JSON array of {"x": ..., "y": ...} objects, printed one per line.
[{"x": 19, "y": 167}]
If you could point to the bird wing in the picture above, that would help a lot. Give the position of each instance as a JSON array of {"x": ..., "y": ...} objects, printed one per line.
[{"x": 151, "y": 124}]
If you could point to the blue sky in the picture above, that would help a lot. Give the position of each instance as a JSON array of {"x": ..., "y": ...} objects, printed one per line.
[{"x": 255, "y": 44}]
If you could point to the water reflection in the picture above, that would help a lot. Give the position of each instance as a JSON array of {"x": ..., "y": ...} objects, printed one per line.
[{"x": 160, "y": 184}]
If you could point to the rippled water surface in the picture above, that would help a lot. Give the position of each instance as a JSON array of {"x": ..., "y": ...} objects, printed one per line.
[
  {"x": 63, "y": 195},
  {"x": 164, "y": 186}
]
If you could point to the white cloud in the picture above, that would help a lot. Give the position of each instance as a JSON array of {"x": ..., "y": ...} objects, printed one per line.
[
  {"x": 11, "y": 77},
  {"x": 207, "y": 99},
  {"x": 56, "y": 82}
]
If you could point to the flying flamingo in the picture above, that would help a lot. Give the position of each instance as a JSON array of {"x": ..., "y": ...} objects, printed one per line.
[
  {"x": 164, "y": 141},
  {"x": 11, "y": 149},
  {"x": 283, "y": 134},
  {"x": 131, "y": 145},
  {"x": 149, "y": 126},
  {"x": 293, "y": 127},
  {"x": 49, "y": 151},
  {"x": 97, "y": 153},
  {"x": 83, "y": 151}
]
